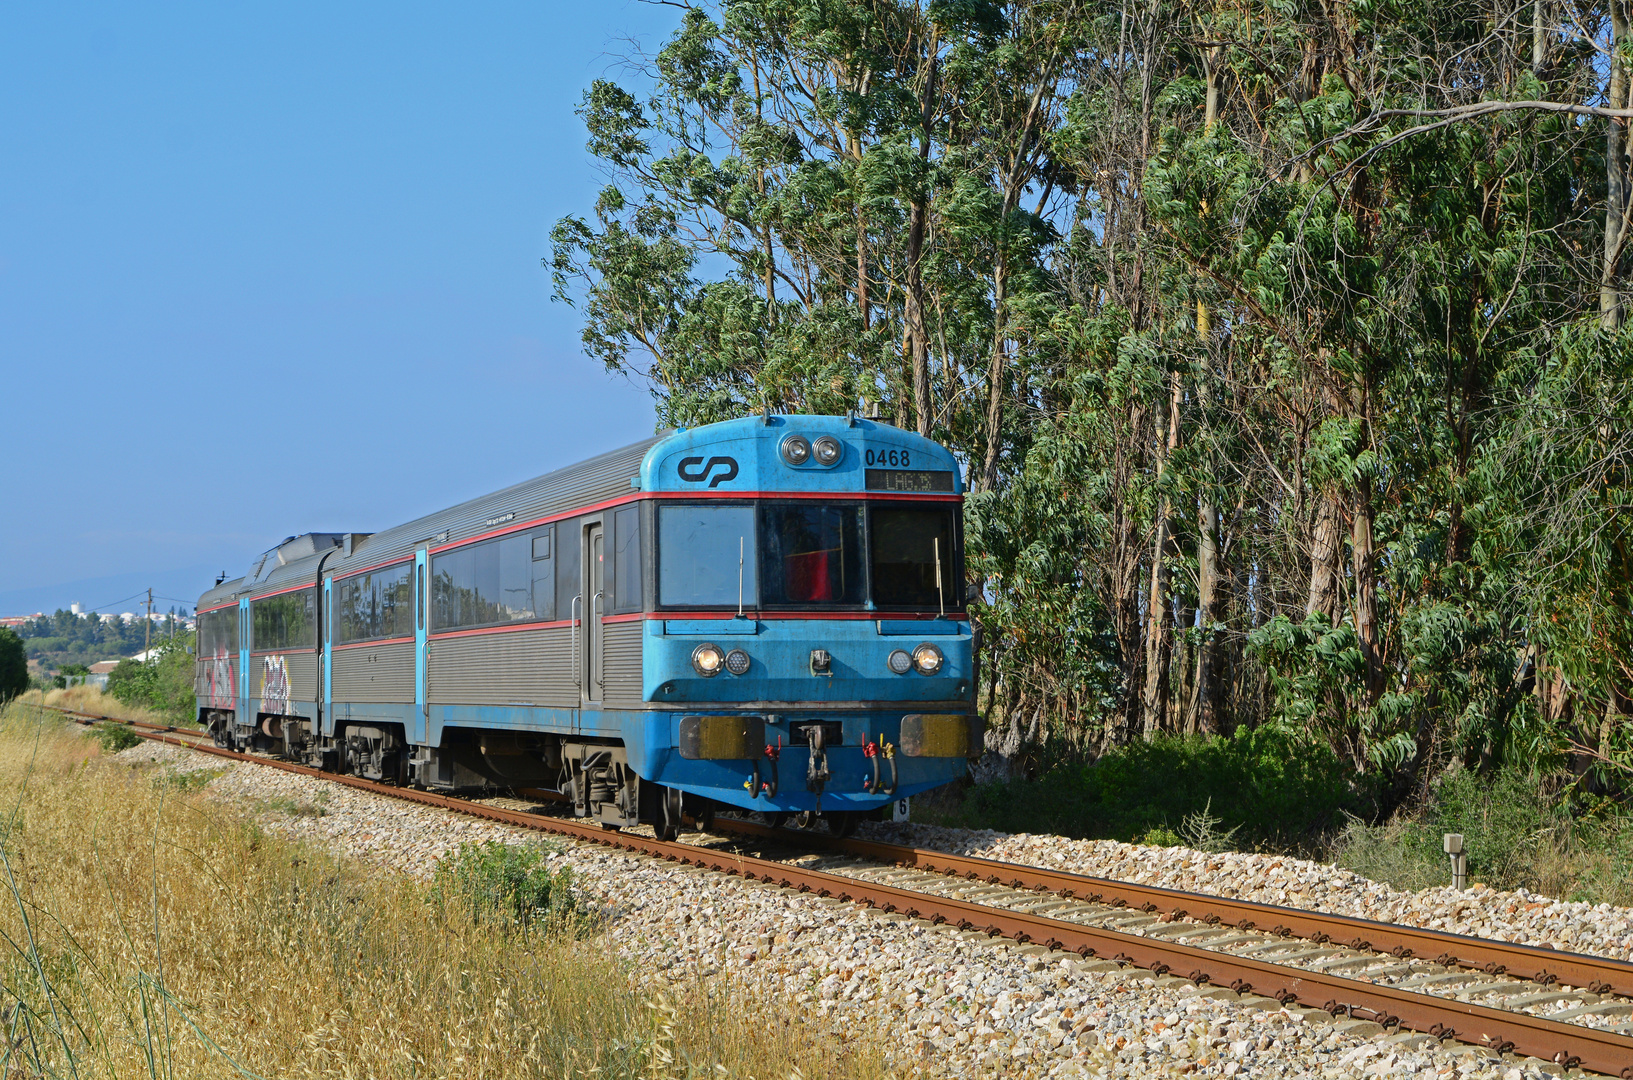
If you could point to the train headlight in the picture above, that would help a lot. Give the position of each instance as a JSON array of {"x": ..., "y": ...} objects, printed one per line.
[
  {"x": 707, "y": 660},
  {"x": 927, "y": 658},
  {"x": 795, "y": 450},
  {"x": 827, "y": 450},
  {"x": 737, "y": 661},
  {"x": 900, "y": 662}
]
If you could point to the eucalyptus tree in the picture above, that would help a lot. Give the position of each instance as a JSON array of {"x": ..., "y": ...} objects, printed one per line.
[{"x": 1283, "y": 343}]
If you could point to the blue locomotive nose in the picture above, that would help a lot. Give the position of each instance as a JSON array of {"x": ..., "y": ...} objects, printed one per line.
[
  {"x": 814, "y": 661},
  {"x": 805, "y": 713}
]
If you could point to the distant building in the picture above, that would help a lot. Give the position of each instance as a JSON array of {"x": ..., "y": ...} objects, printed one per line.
[
  {"x": 17, "y": 622},
  {"x": 100, "y": 672}
]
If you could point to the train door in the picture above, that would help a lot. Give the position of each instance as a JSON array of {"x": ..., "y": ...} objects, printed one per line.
[
  {"x": 595, "y": 607},
  {"x": 418, "y": 728},
  {"x": 326, "y": 712},
  {"x": 246, "y": 713}
]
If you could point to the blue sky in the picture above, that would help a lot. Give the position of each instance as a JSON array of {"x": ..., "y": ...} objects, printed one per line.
[{"x": 270, "y": 269}]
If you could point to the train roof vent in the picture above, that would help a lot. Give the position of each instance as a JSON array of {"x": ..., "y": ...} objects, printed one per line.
[{"x": 291, "y": 549}]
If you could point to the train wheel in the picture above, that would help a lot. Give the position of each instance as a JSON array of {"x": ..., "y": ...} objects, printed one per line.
[
  {"x": 777, "y": 818},
  {"x": 667, "y": 825},
  {"x": 842, "y": 823}
]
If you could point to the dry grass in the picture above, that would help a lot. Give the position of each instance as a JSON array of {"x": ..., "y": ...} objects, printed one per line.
[
  {"x": 148, "y": 932},
  {"x": 91, "y": 700}
]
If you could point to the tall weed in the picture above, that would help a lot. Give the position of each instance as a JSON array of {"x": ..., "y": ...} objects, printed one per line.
[
  {"x": 1519, "y": 831},
  {"x": 510, "y": 885},
  {"x": 155, "y": 932}
]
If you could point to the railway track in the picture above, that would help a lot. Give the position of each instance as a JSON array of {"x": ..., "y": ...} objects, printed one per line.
[
  {"x": 1581, "y": 989},
  {"x": 1170, "y": 933}
]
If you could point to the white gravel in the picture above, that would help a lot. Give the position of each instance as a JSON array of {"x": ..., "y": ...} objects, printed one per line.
[{"x": 957, "y": 1004}]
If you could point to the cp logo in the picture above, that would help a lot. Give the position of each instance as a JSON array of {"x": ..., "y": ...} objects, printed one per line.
[{"x": 695, "y": 470}]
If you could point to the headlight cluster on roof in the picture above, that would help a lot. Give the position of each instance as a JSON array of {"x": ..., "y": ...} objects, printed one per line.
[{"x": 827, "y": 450}]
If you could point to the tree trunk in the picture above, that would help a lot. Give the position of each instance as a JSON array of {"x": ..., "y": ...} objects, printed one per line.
[
  {"x": 995, "y": 374},
  {"x": 1616, "y": 176},
  {"x": 1124, "y": 586},
  {"x": 862, "y": 268},
  {"x": 1200, "y": 713},
  {"x": 917, "y": 338},
  {"x": 1158, "y": 643},
  {"x": 1539, "y": 37},
  {"x": 1366, "y": 589},
  {"x": 914, "y": 301},
  {"x": 1324, "y": 560},
  {"x": 1210, "y": 594}
]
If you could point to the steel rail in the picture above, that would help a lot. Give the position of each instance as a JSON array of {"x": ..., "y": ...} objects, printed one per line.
[
  {"x": 1539, "y": 964},
  {"x": 1499, "y": 1030}
]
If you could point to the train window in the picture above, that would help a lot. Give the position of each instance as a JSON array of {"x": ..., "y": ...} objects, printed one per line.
[
  {"x": 544, "y": 576},
  {"x": 483, "y": 584},
  {"x": 568, "y": 537},
  {"x": 906, "y": 545},
  {"x": 698, "y": 553},
  {"x": 378, "y": 604},
  {"x": 286, "y": 621},
  {"x": 811, "y": 554},
  {"x": 218, "y": 633},
  {"x": 626, "y": 559}
]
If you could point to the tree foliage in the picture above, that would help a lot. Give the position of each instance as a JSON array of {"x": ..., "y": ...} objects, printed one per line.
[
  {"x": 13, "y": 665},
  {"x": 1284, "y": 345},
  {"x": 67, "y": 638},
  {"x": 163, "y": 682}
]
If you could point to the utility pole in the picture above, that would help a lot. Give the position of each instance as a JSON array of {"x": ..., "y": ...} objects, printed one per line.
[{"x": 147, "y": 634}]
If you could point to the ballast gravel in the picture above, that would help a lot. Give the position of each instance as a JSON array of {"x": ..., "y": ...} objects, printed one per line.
[
  {"x": 1518, "y": 916},
  {"x": 951, "y": 1003}
]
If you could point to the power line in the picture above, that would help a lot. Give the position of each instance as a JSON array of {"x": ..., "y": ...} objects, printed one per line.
[{"x": 101, "y": 607}]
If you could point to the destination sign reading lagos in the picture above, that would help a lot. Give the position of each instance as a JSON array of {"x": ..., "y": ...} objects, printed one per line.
[{"x": 909, "y": 479}]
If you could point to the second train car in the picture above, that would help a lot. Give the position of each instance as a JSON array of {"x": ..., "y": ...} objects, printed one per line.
[{"x": 764, "y": 614}]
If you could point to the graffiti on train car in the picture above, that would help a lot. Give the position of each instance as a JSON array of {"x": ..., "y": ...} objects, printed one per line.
[
  {"x": 221, "y": 680},
  {"x": 275, "y": 686}
]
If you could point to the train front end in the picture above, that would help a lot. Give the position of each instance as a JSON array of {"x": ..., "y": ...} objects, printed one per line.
[{"x": 806, "y": 650}]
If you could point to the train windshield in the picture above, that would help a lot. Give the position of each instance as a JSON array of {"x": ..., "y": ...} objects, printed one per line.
[
  {"x": 912, "y": 561},
  {"x": 811, "y": 554},
  {"x": 706, "y": 556},
  {"x": 807, "y": 554}
]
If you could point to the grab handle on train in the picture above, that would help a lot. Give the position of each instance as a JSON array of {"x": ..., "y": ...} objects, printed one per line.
[
  {"x": 595, "y": 612},
  {"x": 578, "y": 680}
]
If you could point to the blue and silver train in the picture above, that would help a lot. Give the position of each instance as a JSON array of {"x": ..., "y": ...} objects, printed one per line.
[{"x": 763, "y": 614}]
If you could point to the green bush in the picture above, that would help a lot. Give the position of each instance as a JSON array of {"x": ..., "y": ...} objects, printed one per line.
[
  {"x": 115, "y": 737},
  {"x": 163, "y": 684},
  {"x": 69, "y": 671},
  {"x": 511, "y": 884},
  {"x": 1519, "y": 830},
  {"x": 1259, "y": 788}
]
